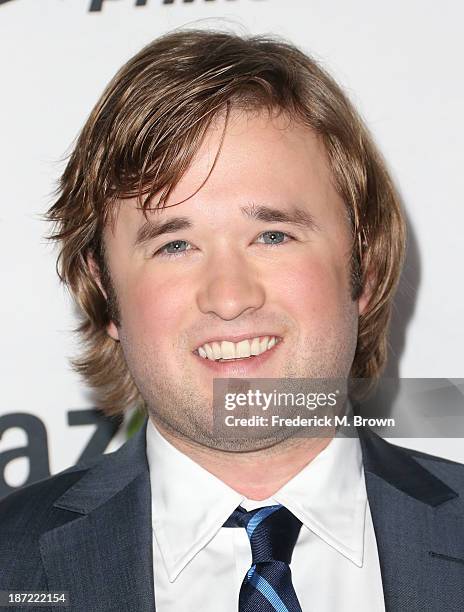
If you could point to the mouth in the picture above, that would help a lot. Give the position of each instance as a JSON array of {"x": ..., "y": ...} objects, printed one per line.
[{"x": 220, "y": 351}]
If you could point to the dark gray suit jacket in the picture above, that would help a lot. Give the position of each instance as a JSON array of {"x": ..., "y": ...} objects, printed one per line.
[{"x": 88, "y": 531}]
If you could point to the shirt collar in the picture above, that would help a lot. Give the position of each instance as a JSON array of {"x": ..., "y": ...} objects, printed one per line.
[
  {"x": 190, "y": 505},
  {"x": 329, "y": 497}
]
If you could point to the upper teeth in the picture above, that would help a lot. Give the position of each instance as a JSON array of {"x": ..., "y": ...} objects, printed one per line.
[{"x": 236, "y": 350}]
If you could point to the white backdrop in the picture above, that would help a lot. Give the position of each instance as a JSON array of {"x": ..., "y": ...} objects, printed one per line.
[{"x": 401, "y": 63}]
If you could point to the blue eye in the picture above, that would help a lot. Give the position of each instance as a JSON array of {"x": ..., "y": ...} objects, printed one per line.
[
  {"x": 275, "y": 237},
  {"x": 176, "y": 248},
  {"x": 172, "y": 249}
]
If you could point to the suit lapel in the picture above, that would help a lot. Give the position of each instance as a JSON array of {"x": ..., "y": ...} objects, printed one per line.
[
  {"x": 101, "y": 552},
  {"x": 416, "y": 520}
]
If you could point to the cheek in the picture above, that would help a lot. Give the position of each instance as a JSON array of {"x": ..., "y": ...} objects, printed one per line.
[
  {"x": 315, "y": 291},
  {"x": 153, "y": 310}
]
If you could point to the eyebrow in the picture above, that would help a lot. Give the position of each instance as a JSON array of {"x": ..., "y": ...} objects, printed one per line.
[
  {"x": 295, "y": 216},
  {"x": 152, "y": 229}
]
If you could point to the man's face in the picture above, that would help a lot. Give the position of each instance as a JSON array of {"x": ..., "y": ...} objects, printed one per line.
[{"x": 232, "y": 270}]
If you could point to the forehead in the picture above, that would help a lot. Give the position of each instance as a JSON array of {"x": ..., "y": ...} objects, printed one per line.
[{"x": 250, "y": 158}]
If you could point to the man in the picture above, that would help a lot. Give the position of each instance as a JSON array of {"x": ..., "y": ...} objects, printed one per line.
[{"x": 224, "y": 214}]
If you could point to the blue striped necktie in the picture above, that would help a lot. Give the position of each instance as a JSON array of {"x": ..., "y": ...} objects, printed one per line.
[{"x": 267, "y": 586}]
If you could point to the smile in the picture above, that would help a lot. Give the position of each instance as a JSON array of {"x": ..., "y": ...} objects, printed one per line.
[{"x": 224, "y": 350}]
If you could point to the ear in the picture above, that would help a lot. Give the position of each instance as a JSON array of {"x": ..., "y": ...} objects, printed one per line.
[{"x": 111, "y": 328}]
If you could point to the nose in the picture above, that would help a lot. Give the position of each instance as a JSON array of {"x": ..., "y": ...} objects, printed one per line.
[{"x": 230, "y": 287}]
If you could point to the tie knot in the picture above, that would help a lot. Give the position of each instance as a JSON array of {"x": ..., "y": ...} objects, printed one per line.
[{"x": 272, "y": 531}]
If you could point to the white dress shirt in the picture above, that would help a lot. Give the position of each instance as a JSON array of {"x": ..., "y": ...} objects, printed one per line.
[{"x": 199, "y": 565}]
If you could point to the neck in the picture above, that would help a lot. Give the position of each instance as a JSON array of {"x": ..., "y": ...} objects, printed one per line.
[{"x": 255, "y": 474}]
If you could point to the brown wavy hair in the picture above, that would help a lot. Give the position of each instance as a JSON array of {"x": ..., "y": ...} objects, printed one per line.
[{"x": 141, "y": 137}]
